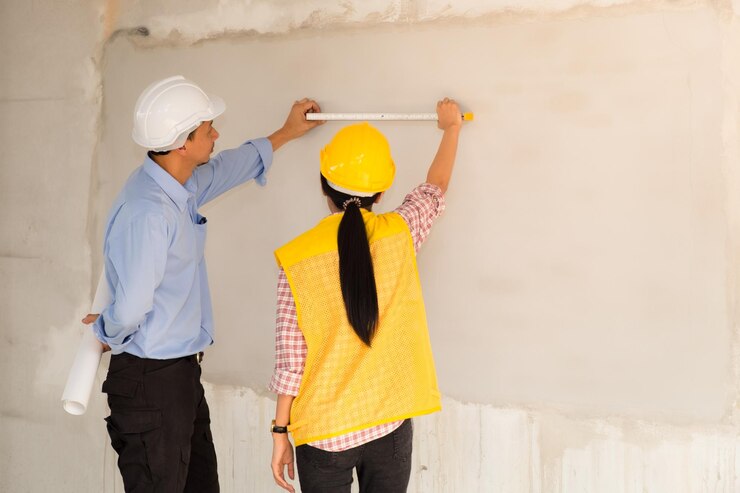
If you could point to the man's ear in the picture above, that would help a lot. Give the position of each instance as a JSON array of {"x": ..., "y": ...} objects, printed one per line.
[
  {"x": 181, "y": 150},
  {"x": 377, "y": 199}
]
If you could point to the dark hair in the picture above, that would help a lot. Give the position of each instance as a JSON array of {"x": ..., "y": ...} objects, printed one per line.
[
  {"x": 356, "y": 274},
  {"x": 164, "y": 153}
]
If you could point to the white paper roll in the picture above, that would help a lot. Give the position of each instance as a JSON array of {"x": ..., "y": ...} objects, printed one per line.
[{"x": 85, "y": 365}]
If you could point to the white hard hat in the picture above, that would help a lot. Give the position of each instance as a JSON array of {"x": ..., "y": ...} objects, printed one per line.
[{"x": 168, "y": 110}]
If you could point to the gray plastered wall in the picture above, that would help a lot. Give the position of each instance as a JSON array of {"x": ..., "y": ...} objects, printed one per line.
[{"x": 581, "y": 287}]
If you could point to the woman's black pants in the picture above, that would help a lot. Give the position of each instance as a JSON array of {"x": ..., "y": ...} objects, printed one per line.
[{"x": 383, "y": 465}]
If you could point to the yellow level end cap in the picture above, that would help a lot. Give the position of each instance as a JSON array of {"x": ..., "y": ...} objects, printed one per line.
[{"x": 468, "y": 116}]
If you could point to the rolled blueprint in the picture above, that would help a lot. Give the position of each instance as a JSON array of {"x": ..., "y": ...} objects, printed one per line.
[{"x": 85, "y": 365}]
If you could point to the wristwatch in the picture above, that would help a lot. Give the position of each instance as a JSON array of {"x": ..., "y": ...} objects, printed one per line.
[{"x": 278, "y": 429}]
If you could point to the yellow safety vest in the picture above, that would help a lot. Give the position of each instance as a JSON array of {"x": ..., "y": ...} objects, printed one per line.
[{"x": 347, "y": 386}]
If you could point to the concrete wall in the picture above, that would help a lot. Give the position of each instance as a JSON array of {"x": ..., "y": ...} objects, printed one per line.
[{"x": 581, "y": 287}]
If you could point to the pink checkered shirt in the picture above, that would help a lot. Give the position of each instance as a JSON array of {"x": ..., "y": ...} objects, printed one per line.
[{"x": 419, "y": 209}]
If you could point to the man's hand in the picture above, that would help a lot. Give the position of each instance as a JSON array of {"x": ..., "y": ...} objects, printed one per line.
[
  {"x": 282, "y": 455},
  {"x": 296, "y": 124},
  {"x": 90, "y": 318}
]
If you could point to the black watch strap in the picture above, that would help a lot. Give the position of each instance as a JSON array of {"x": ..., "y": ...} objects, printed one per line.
[{"x": 278, "y": 429}]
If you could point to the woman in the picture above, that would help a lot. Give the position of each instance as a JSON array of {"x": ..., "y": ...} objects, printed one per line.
[{"x": 353, "y": 359}]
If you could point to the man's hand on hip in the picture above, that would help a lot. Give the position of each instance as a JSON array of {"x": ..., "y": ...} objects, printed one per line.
[{"x": 90, "y": 318}]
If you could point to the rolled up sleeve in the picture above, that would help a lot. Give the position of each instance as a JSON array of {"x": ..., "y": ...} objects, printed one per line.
[
  {"x": 420, "y": 209},
  {"x": 290, "y": 345},
  {"x": 233, "y": 167}
]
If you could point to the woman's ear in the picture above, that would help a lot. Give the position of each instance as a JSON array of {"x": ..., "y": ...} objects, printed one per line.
[
  {"x": 330, "y": 203},
  {"x": 377, "y": 199}
]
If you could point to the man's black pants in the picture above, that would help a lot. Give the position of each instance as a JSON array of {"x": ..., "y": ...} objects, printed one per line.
[
  {"x": 160, "y": 426},
  {"x": 383, "y": 465}
]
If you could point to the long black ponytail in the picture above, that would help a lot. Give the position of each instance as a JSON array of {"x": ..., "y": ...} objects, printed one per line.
[{"x": 356, "y": 273}]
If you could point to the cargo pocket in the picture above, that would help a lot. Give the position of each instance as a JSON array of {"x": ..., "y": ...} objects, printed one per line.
[
  {"x": 210, "y": 463},
  {"x": 136, "y": 420},
  {"x": 120, "y": 386},
  {"x": 132, "y": 434},
  {"x": 182, "y": 472},
  {"x": 121, "y": 392}
]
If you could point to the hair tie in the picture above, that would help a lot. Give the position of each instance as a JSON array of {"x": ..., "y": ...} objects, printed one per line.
[{"x": 356, "y": 200}]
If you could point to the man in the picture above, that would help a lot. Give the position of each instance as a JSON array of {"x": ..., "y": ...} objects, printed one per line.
[{"x": 160, "y": 319}]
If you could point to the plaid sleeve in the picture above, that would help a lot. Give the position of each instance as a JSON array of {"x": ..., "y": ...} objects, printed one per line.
[
  {"x": 420, "y": 208},
  {"x": 290, "y": 346}
]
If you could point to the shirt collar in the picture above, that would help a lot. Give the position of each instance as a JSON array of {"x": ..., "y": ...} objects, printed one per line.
[{"x": 168, "y": 184}]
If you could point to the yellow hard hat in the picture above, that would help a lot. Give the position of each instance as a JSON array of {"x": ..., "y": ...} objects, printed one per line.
[{"x": 358, "y": 161}]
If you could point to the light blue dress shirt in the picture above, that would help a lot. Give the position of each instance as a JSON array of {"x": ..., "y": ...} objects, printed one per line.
[{"x": 153, "y": 249}]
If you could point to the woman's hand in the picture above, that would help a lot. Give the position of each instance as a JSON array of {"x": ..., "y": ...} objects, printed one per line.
[
  {"x": 448, "y": 114},
  {"x": 282, "y": 455}
]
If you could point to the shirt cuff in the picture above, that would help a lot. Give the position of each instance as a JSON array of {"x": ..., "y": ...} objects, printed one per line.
[
  {"x": 435, "y": 193},
  {"x": 98, "y": 328},
  {"x": 285, "y": 383},
  {"x": 264, "y": 148},
  {"x": 99, "y": 331},
  {"x": 430, "y": 189}
]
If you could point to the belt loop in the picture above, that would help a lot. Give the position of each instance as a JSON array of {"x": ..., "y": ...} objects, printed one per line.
[{"x": 199, "y": 357}]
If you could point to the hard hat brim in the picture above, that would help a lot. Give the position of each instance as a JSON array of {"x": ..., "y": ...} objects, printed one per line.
[
  {"x": 219, "y": 106},
  {"x": 347, "y": 191}
]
